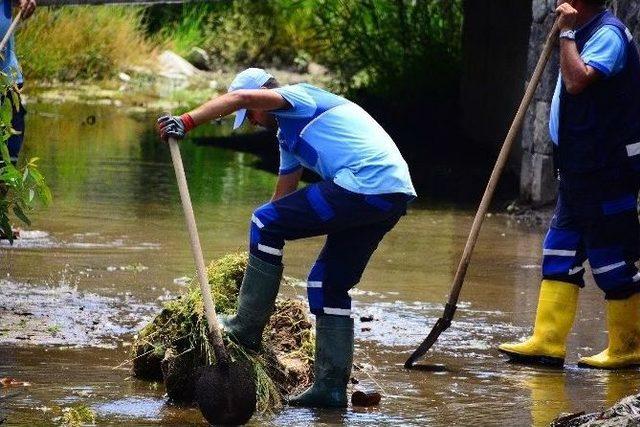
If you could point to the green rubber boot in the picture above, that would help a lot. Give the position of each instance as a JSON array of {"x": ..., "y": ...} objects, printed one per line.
[
  {"x": 334, "y": 358},
  {"x": 256, "y": 300}
]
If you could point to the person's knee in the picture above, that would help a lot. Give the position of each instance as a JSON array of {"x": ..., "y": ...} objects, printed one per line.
[{"x": 264, "y": 240}]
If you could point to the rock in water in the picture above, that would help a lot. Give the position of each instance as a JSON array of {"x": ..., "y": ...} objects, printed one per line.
[
  {"x": 365, "y": 398},
  {"x": 624, "y": 413},
  {"x": 227, "y": 396}
]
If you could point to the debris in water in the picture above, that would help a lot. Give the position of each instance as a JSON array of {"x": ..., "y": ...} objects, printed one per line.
[
  {"x": 174, "y": 346},
  {"x": 12, "y": 382},
  {"x": 78, "y": 415},
  {"x": 365, "y": 398},
  {"x": 624, "y": 413},
  {"x": 368, "y": 318}
]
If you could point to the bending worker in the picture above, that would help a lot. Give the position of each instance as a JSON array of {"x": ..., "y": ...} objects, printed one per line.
[
  {"x": 595, "y": 128},
  {"x": 365, "y": 190}
]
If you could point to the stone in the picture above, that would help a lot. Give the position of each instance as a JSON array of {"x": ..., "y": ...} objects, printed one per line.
[
  {"x": 316, "y": 69},
  {"x": 199, "y": 58},
  {"x": 124, "y": 77},
  {"x": 173, "y": 65}
]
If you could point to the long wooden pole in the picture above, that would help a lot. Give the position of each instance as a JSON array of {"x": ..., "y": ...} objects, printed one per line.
[
  {"x": 10, "y": 31},
  {"x": 445, "y": 321},
  {"x": 196, "y": 250}
]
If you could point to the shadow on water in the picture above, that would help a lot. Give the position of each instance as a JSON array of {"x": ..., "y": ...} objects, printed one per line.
[{"x": 113, "y": 242}]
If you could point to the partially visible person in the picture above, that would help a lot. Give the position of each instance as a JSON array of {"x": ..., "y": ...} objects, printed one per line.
[
  {"x": 12, "y": 75},
  {"x": 595, "y": 128}
]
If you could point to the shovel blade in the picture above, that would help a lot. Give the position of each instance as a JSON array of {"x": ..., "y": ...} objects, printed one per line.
[{"x": 441, "y": 325}]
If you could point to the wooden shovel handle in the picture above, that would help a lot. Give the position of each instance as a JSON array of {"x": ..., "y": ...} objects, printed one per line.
[
  {"x": 500, "y": 164},
  {"x": 196, "y": 250},
  {"x": 10, "y": 31}
]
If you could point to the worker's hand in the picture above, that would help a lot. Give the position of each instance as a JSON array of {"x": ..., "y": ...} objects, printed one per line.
[
  {"x": 174, "y": 126},
  {"x": 567, "y": 16},
  {"x": 27, "y": 7}
]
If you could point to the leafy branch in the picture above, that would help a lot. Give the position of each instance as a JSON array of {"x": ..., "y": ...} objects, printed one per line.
[{"x": 20, "y": 187}]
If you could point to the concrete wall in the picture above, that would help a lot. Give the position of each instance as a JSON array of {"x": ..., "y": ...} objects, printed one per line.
[{"x": 537, "y": 183}]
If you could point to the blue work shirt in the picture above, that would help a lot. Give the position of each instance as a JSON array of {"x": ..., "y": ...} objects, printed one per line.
[
  {"x": 606, "y": 52},
  {"x": 9, "y": 62},
  {"x": 339, "y": 141}
]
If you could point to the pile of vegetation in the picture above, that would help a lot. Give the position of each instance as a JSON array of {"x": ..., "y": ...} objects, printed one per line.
[{"x": 174, "y": 345}]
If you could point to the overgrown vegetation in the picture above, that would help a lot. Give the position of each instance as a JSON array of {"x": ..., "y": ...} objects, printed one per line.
[
  {"x": 20, "y": 186},
  {"x": 175, "y": 343},
  {"x": 238, "y": 33},
  {"x": 390, "y": 46},
  {"x": 81, "y": 42},
  {"x": 376, "y": 45}
]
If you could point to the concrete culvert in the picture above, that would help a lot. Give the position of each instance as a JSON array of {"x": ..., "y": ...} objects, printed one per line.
[{"x": 174, "y": 347}]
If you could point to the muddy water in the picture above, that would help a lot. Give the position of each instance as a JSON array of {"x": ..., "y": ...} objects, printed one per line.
[{"x": 112, "y": 247}]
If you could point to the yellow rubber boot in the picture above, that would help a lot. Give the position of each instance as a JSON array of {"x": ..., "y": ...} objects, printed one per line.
[
  {"x": 623, "y": 323},
  {"x": 557, "y": 305}
]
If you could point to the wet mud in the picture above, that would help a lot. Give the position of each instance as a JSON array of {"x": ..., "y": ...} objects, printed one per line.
[{"x": 61, "y": 314}]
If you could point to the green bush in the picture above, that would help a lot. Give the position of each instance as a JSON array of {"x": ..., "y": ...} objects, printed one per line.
[
  {"x": 387, "y": 46},
  {"x": 379, "y": 46},
  {"x": 20, "y": 187},
  {"x": 239, "y": 33}
]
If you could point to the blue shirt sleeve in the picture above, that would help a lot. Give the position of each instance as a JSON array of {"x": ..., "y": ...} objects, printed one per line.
[
  {"x": 606, "y": 51},
  {"x": 302, "y": 104},
  {"x": 288, "y": 162}
]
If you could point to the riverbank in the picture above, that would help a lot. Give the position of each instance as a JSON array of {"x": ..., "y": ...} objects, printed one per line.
[{"x": 169, "y": 83}]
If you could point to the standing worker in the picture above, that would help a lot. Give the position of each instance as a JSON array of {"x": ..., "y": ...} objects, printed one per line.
[
  {"x": 595, "y": 128},
  {"x": 12, "y": 75},
  {"x": 365, "y": 190}
]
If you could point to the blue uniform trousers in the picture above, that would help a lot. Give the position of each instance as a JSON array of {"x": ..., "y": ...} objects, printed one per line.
[
  {"x": 596, "y": 219},
  {"x": 353, "y": 223}
]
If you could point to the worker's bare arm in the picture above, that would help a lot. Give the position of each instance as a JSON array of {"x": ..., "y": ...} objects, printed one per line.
[
  {"x": 287, "y": 184},
  {"x": 255, "y": 99},
  {"x": 577, "y": 75}
]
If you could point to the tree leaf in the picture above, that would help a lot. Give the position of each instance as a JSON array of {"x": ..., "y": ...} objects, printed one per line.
[
  {"x": 6, "y": 112},
  {"x": 20, "y": 214}
]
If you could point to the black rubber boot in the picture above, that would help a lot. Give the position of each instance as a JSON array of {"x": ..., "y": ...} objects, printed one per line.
[
  {"x": 257, "y": 298},
  {"x": 334, "y": 358}
]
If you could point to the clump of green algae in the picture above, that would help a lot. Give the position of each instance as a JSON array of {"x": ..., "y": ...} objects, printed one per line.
[{"x": 176, "y": 340}]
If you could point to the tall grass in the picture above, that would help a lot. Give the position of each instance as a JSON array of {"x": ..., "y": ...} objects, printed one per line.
[
  {"x": 237, "y": 33},
  {"x": 81, "y": 42}
]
